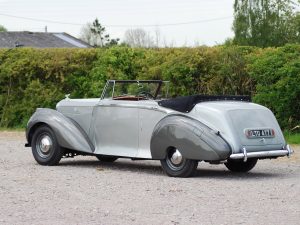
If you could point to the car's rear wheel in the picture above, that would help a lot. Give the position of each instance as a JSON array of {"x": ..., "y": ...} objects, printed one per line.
[
  {"x": 106, "y": 158},
  {"x": 175, "y": 165},
  {"x": 240, "y": 165},
  {"x": 45, "y": 148}
]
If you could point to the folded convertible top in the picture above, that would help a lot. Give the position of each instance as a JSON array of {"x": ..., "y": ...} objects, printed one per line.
[{"x": 187, "y": 103}]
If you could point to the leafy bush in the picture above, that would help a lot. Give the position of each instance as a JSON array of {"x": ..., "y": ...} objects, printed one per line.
[
  {"x": 277, "y": 74},
  {"x": 31, "y": 78}
]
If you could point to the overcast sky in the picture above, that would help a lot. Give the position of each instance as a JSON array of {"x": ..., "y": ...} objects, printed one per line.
[{"x": 211, "y": 20}]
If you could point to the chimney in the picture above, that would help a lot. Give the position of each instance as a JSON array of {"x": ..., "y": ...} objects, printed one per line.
[{"x": 46, "y": 29}]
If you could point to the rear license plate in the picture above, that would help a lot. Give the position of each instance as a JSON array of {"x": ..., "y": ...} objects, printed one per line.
[{"x": 260, "y": 133}]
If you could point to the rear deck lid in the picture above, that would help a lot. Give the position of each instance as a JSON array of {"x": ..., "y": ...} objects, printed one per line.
[{"x": 257, "y": 128}]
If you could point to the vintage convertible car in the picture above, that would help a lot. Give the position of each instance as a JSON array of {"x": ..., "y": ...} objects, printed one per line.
[{"x": 132, "y": 119}]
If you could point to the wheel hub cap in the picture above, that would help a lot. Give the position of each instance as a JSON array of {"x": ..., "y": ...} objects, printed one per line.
[
  {"x": 45, "y": 144},
  {"x": 176, "y": 158}
]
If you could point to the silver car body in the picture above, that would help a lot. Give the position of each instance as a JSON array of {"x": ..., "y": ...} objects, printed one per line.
[{"x": 210, "y": 131}]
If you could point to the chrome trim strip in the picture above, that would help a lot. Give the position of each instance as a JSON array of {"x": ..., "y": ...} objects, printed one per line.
[
  {"x": 262, "y": 154},
  {"x": 104, "y": 90},
  {"x": 134, "y": 106}
]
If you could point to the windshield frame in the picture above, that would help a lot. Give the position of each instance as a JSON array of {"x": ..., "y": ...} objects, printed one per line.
[{"x": 114, "y": 82}]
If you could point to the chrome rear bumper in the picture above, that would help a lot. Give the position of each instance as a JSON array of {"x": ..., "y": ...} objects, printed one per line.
[{"x": 263, "y": 154}]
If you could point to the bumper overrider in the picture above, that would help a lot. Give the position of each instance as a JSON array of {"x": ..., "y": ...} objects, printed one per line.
[{"x": 262, "y": 154}]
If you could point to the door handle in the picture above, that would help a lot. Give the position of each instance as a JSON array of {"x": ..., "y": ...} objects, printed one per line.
[{"x": 107, "y": 104}]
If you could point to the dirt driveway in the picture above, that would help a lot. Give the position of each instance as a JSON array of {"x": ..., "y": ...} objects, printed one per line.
[{"x": 85, "y": 191}]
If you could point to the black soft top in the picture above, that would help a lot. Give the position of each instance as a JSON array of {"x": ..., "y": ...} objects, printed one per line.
[{"x": 187, "y": 103}]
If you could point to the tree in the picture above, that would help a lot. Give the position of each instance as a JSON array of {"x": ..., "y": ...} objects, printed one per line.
[
  {"x": 2, "y": 29},
  {"x": 157, "y": 34},
  {"x": 99, "y": 31},
  {"x": 138, "y": 38},
  {"x": 295, "y": 26},
  {"x": 263, "y": 23},
  {"x": 86, "y": 34},
  {"x": 95, "y": 34}
]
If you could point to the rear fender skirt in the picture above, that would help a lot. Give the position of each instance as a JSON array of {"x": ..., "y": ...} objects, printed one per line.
[
  {"x": 68, "y": 133},
  {"x": 192, "y": 138}
]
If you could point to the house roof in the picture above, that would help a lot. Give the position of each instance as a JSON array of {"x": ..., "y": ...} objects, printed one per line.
[{"x": 40, "y": 40}]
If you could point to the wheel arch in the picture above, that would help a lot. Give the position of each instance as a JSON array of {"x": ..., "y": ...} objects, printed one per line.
[
  {"x": 192, "y": 138},
  {"x": 30, "y": 132},
  {"x": 68, "y": 133}
]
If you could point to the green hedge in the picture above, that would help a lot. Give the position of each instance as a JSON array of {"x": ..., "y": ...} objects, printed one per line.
[{"x": 32, "y": 78}]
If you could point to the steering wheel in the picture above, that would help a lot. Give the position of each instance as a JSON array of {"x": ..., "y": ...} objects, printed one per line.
[{"x": 146, "y": 94}]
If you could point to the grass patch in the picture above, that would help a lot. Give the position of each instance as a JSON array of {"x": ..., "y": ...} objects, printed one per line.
[
  {"x": 12, "y": 129},
  {"x": 292, "y": 138}
]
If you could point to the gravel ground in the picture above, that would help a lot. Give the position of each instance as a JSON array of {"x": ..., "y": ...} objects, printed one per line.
[{"x": 86, "y": 191}]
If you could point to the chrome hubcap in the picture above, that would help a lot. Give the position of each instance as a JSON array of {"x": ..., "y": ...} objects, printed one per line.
[
  {"x": 44, "y": 146},
  {"x": 175, "y": 160},
  {"x": 176, "y": 157}
]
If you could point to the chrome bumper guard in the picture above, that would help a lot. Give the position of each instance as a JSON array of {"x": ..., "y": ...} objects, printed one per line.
[{"x": 263, "y": 154}]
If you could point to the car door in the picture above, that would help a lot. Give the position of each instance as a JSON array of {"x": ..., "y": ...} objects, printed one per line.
[{"x": 115, "y": 128}]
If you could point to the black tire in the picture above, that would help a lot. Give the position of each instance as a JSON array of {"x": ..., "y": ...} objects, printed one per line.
[
  {"x": 106, "y": 158},
  {"x": 45, "y": 148},
  {"x": 240, "y": 165},
  {"x": 184, "y": 168}
]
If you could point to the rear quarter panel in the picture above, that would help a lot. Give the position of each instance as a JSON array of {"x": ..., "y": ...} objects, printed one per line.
[{"x": 232, "y": 118}]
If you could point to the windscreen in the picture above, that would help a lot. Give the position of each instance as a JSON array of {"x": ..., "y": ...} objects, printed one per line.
[{"x": 140, "y": 90}]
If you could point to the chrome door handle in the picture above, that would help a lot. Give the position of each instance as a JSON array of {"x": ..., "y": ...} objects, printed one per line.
[{"x": 107, "y": 104}]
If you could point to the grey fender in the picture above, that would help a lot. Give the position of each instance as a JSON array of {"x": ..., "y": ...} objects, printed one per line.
[
  {"x": 192, "y": 138},
  {"x": 68, "y": 133}
]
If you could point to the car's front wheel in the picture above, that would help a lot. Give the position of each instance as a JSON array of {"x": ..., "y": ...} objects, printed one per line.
[
  {"x": 240, "y": 165},
  {"x": 45, "y": 148},
  {"x": 175, "y": 165}
]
